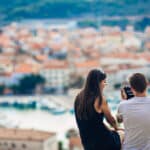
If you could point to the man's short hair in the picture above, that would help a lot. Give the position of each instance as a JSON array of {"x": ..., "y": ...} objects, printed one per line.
[{"x": 138, "y": 82}]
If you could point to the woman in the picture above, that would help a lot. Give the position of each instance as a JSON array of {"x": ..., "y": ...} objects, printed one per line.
[{"x": 90, "y": 109}]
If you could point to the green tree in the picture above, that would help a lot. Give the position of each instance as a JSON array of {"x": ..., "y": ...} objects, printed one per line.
[
  {"x": 14, "y": 88},
  {"x": 77, "y": 82},
  {"x": 87, "y": 23},
  {"x": 2, "y": 88},
  {"x": 28, "y": 83}
]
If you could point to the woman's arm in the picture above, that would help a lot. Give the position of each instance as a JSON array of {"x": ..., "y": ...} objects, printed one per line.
[{"x": 110, "y": 119}]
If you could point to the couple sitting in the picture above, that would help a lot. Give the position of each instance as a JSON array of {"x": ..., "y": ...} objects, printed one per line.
[{"x": 91, "y": 107}]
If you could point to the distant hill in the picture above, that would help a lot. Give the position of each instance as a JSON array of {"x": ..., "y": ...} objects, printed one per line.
[{"x": 11, "y": 10}]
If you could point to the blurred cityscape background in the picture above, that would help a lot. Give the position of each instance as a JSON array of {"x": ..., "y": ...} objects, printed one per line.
[{"x": 48, "y": 47}]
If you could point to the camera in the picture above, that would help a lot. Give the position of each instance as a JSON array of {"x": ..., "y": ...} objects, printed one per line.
[{"x": 128, "y": 92}]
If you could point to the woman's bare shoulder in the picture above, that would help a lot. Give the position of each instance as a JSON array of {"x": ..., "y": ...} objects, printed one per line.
[
  {"x": 104, "y": 101},
  {"x": 96, "y": 106}
]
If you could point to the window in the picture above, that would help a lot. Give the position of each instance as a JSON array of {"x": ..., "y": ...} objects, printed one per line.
[
  {"x": 5, "y": 143},
  {"x": 24, "y": 146},
  {"x": 13, "y": 145}
]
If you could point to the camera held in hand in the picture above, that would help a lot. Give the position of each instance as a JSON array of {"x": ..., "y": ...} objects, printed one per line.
[{"x": 128, "y": 92}]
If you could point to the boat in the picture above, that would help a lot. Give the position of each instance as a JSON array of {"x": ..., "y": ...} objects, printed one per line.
[
  {"x": 58, "y": 111},
  {"x": 46, "y": 104},
  {"x": 51, "y": 107},
  {"x": 72, "y": 111},
  {"x": 24, "y": 105},
  {"x": 5, "y": 104}
]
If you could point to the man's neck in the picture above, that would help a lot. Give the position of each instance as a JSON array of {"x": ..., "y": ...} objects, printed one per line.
[{"x": 141, "y": 94}]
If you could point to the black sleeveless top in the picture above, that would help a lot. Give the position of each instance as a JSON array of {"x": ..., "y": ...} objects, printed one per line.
[{"x": 95, "y": 135}]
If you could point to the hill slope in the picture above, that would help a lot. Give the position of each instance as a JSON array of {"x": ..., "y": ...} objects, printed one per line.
[{"x": 25, "y": 9}]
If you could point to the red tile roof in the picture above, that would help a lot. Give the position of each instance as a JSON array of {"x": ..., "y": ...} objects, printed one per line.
[{"x": 19, "y": 134}]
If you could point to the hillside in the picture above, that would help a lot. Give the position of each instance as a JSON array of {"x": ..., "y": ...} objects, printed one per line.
[{"x": 11, "y": 10}]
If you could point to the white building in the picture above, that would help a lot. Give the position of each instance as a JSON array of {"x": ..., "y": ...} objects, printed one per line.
[
  {"x": 17, "y": 139},
  {"x": 56, "y": 73}
]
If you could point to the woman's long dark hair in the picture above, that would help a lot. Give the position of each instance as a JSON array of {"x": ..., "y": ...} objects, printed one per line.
[{"x": 86, "y": 98}]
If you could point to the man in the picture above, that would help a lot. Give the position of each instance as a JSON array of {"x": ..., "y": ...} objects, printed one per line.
[{"x": 135, "y": 113}]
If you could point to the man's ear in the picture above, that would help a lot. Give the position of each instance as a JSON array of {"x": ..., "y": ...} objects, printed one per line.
[{"x": 133, "y": 91}]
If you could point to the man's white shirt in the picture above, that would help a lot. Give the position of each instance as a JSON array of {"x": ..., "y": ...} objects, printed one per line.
[{"x": 136, "y": 118}]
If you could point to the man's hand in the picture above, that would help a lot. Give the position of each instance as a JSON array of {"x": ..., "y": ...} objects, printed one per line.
[
  {"x": 123, "y": 94},
  {"x": 119, "y": 118}
]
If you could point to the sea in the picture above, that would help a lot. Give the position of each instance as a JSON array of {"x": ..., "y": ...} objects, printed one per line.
[{"x": 40, "y": 119}]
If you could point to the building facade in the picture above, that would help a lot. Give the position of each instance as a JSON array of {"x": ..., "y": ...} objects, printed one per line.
[
  {"x": 56, "y": 74},
  {"x": 17, "y": 139}
]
